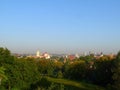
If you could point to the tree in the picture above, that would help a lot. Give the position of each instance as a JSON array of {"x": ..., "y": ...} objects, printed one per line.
[
  {"x": 77, "y": 70},
  {"x": 116, "y": 76},
  {"x": 2, "y": 74},
  {"x": 26, "y": 72},
  {"x": 6, "y": 60},
  {"x": 103, "y": 68},
  {"x": 21, "y": 73},
  {"x": 5, "y": 56},
  {"x": 59, "y": 74}
]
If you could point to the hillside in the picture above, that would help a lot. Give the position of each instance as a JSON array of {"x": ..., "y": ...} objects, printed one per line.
[{"x": 80, "y": 85}]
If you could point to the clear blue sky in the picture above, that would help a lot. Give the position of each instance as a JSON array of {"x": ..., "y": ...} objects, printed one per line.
[{"x": 60, "y": 26}]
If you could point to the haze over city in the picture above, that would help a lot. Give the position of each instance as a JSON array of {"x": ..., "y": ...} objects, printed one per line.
[{"x": 60, "y": 26}]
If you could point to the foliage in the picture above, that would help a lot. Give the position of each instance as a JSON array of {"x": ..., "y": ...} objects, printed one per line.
[
  {"x": 76, "y": 70},
  {"x": 116, "y": 76},
  {"x": 103, "y": 68},
  {"x": 18, "y": 72},
  {"x": 60, "y": 74},
  {"x": 68, "y": 84},
  {"x": 3, "y": 77},
  {"x": 43, "y": 83},
  {"x": 28, "y": 73}
]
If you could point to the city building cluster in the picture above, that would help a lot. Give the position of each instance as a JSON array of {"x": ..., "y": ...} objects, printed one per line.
[
  {"x": 70, "y": 57},
  {"x": 44, "y": 55}
]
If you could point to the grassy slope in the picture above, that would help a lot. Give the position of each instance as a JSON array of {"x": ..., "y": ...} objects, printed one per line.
[{"x": 81, "y": 85}]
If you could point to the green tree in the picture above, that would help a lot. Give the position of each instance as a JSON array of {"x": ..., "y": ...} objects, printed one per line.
[
  {"x": 2, "y": 74},
  {"x": 5, "y": 56},
  {"x": 59, "y": 74},
  {"x": 21, "y": 73},
  {"x": 26, "y": 72},
  {"x": 104, "y": 68},
  {"x": 76, "y": 70},
  {"x": 116, "y": 76}
]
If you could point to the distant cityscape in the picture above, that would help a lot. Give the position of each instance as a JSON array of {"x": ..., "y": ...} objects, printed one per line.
[{"x": 47, "y": 55}]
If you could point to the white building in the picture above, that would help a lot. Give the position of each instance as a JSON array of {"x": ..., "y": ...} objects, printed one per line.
[
  {"x": 38, "y": 54},
  {"x": 44, "y": 55}
]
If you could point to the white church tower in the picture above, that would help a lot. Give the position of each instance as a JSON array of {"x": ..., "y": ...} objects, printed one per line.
[{"x": 38, "y": 53}]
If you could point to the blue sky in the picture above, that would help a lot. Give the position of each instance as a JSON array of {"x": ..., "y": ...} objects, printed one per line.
[{"x": 60, "y": 26}]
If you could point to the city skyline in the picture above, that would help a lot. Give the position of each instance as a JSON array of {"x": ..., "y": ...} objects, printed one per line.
[{"x": 60, "y": 26}]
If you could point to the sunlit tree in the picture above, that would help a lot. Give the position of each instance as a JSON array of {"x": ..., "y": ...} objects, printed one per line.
[{"x": 2, "y": 74}]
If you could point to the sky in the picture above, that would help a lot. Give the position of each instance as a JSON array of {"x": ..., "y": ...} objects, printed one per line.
[{"x": 60, "y": 26}]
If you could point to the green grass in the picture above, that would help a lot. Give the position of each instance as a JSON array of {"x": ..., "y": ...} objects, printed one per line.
[{"x": 80, "y": 85}]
